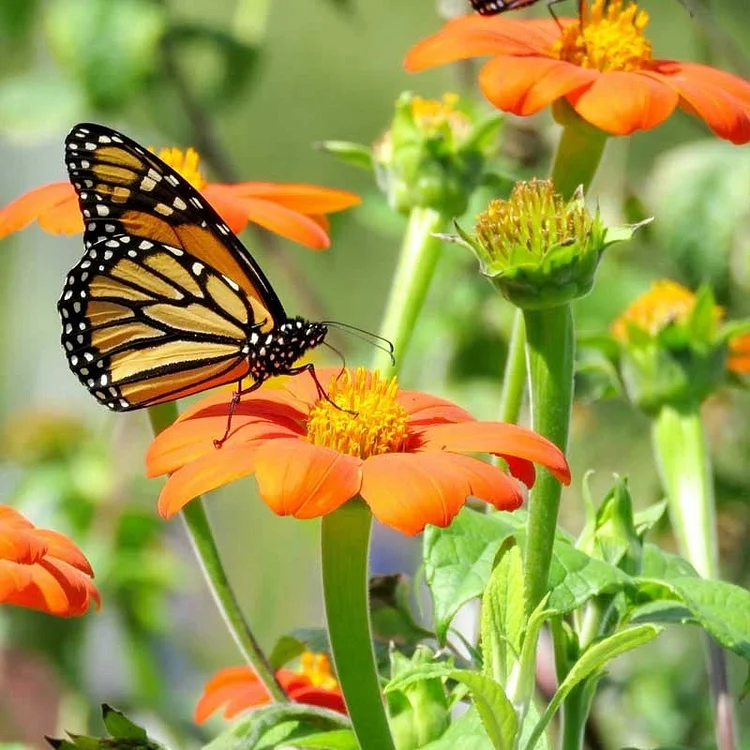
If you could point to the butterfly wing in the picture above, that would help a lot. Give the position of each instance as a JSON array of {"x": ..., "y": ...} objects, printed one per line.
[
  {"x": 494, "y": 7},
  {"x": 166, "y": 296},
  {"x": 145, "y": 323}
]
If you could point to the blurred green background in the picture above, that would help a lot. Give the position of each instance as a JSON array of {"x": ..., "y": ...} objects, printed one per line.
[{"x": 263, "y": 80}]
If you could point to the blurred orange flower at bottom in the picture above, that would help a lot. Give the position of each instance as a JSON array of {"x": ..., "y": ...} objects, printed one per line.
[
  {"x": 42, "y": 569},
  {"x": 239, "y": 689}
]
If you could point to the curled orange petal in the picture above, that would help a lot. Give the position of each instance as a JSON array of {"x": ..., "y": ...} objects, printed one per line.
[{"x": 304, "y": 480}]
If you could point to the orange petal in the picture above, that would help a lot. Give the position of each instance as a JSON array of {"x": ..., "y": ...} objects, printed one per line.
[
  {"x": 231, "y": 210},
  {"x": 304, "y": 480},
  {"x": 204, "y": 474},
  {"x": 622, "y": 103},
  {"x": 527, "y": 85},
  {"x": 59, "y": 546},
  {"x": 317, "y": 696},
  {"x": 21, "y": 545},
  {"x": 721, "y": 100},
  {"x": 304, "y": 199},
  {"x": 474, "y": 36},
  {"x": 238, "y": 687},
  {"x": 406, "y": 491},
  {"x": 426, "y": 409},
  {"x": 54, "y": 205},
  {"x": 499, "y": 438},
  {"x": 286, "y": 223}
]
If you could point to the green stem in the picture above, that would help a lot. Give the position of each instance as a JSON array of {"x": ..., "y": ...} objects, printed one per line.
[
  {"x": 685, "y": 470},
  {"x": 550, "y": 346},
  {"x": 204, "y": 546},
  {"x": 416, "y": 267},
  {"x": 573, "y": 715},
  {"x": 578, "y": 153},
  {"x": 515, "y": 372},
  {"x": 345, "y": 541}
]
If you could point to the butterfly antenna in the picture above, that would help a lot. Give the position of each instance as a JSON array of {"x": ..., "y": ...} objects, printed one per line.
[{"x": 379, "y": 342}]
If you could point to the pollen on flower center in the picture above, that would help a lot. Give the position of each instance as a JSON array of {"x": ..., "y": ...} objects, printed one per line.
[
  {"x": 186, "y": 163},
  {"x": 367, "y": 419},
  {"x": 608, "y": 38}
]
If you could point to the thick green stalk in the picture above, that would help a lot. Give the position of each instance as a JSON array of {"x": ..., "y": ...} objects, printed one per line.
[
  {"x": 204, "y": 546},
  {"x": 514, "y": 378},
  {"x": 550, "y": 348},
  {"x": 685, "y": 468},
  {"x": 416, "y": 266},
  {"x": 345, "y": 543}
]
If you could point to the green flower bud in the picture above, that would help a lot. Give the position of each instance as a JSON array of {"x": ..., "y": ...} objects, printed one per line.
[
  {"x": 672, "y": 349},
  {"x": 433, "y": 155},
  {"x": 538, "y": 250}
]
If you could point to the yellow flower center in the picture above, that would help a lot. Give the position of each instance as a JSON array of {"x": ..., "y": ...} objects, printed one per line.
[
  {"x": 666, "y": 303},
  {"x": 317, "y": 668},
  {"x": 535, "y": 217},
  {"x": 185, "y": 162},
  {"x": 368, "y": 421},
  {"x": 609, "y": 37},
  {"x": 430, "y": 115}
]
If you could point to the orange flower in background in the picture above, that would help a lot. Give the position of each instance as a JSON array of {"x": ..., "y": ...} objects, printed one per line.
[
  {"x": 42, "y": 569},
  {"x": 738, "y": 360},
  {"x": 603, "y": 68},
  {"x": 297, "y": 212},
  {"x": 401, "y": 451},
  {"x": 239, "y": 689}
]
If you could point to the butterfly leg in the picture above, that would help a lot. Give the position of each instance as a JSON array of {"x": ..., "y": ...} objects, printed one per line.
[
  {"x": 321, "y": 391},
  {"x": 236, "y": 396}
]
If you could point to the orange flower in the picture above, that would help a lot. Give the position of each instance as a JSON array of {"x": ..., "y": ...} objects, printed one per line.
[
  {"x": 603, "y": 68},
  {"x": 297, "y": 212},
  {"x": 240, "y": 689},
  {"x": 42, "y": 569},
  {"x": 739, "y": 354},
  {"x": 402, "y": 452}
]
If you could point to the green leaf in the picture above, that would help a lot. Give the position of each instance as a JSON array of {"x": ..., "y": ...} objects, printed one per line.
[
  {"x": 657, "y": 563},
  {"x": 120, "y": 727},
  {"x": 590, "y": 665},
  {"x": 721, "y": 608},
  {"x": 109, "y": 48},
  {"x": 458, "y": 560},
  {"x": 575, "y": 578},
  {"x": 496, "y": 711},
  {"x": 390, "y": 611},
  {"x": 465, "y": 733},
  {"x": 287, "y": 648},
  {"x": 286, "y": 718},
  {"x": 503, "y": 619},
  {"x": 341, "y": 739}
]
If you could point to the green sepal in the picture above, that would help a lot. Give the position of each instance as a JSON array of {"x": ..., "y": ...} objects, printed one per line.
[{"x": 354, "y": 154}]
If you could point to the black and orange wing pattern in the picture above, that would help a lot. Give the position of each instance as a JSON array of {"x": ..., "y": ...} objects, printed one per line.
[
  {"x": 493, "y": 7},
  {"x": 166, "y": 300}
]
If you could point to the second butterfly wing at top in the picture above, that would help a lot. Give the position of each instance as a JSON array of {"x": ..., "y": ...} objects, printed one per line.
[{"x": 166, "y": 300}]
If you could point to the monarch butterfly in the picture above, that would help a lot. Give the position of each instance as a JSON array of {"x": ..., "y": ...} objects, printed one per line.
[
  {"x": 493, "y": 7},
  {"x": 166, "y": 300}
]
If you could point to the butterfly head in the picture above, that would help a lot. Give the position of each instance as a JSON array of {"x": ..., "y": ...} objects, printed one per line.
[{"x": 275, "y": 352}]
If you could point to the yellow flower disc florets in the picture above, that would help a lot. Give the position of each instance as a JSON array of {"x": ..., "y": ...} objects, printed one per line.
[
  {"x": 430, "y": 115},
  {"x": 317, "y": 668},
  {"x": 608, "y": 38},
  {"x": 534, "y": 217},
  {"x": 665, "y": 303},
  {"x": 368, "y": 421},
  {"x": 184, "y": 162}
]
